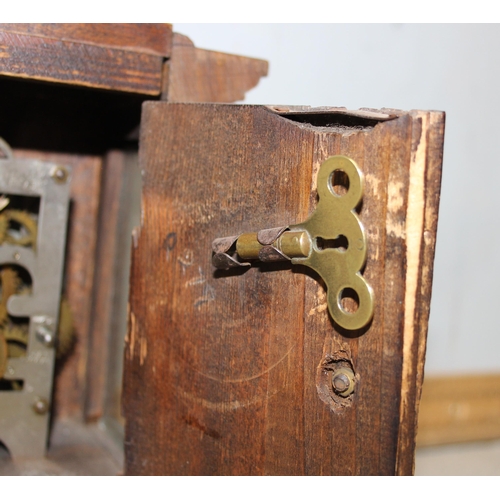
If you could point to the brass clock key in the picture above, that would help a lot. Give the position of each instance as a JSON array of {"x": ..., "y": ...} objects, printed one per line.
[{"x": 332, "y": 242}]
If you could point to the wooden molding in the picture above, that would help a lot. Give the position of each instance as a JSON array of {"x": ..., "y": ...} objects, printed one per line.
[
  {"x": 57, "y": 60},
  {"x": 197, "y": 75},
  {"x": 154, "y": 39},
  {"x": 145, "y": 59},
  {"x": 457, "y": 409}
]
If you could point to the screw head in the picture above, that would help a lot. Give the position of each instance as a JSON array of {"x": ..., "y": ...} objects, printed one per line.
[
  {"x": 41, "y": 406},
  {"x": 343, "y": 382},
  {"x": 59, "y": 174},
  {"x": 45, "y": 335},
  {"x": 340, "y": 382}
]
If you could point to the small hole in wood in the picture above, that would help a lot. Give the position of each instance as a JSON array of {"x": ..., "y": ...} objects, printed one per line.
[
  {"x": 349, "y": 300},
  {"x": 340, "y": 243},
  {"x": 339, "y": 181}
]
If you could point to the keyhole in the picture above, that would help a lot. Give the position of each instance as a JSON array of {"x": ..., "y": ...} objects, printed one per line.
[{"x": 340, "y": 243}]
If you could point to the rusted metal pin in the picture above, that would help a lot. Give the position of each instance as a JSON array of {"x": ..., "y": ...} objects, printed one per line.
[{"x": 268, "y": 245}]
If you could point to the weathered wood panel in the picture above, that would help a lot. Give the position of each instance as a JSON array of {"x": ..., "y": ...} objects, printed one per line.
[
  {"x": 149, "y": 38},
  {"x": 225, "y": 372},
  {"x": 55, "y": 60},
  {"x": 421, "y": 227},
  {"x": 197, "y": 75}
]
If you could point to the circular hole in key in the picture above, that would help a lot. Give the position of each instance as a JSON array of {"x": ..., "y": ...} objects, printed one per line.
[
  {"x": 349, "y": 300},
  {"x": 339, "y": 181}
]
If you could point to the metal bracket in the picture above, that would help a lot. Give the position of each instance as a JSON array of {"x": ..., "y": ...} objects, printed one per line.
[
  {"x": 332, "y": 242},
  {"x": 25, "y": 412}
]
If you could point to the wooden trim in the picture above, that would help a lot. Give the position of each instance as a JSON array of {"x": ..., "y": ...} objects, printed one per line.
[
  {"x": 105, "y": 284},
  {"x": 420, "y": 232},
  {"x": 457, "y": 409},
  {"x": 55, "y": 60},
  {"x": 197, "y": 75},
  {"x": 120, "y": 208},
  {"x": 154, "y": 39}
]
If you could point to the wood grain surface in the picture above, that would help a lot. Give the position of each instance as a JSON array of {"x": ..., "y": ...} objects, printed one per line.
[
  {"x": 226, "y": 372},
  {"x": 139, "y": 37},
  {"x": 197, "y": 75},
  {"x": 83, "y": 64}
]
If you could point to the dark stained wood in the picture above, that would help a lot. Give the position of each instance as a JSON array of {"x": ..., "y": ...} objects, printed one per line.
[
  {"x": 197, "y": 75},
  {"x": 224, "y": 371},
  {"x": 71, "y": 371},
  {"x": 79, "y": 282},
  {"x": 67, "y": 118},
  {"x": 148, "y": 38},
  {"x": 55, "y": 60}
]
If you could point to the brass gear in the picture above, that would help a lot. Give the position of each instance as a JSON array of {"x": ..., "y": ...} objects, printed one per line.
[
  {"x": 4, "y": 226},
  {"x": 3, "y": 355},
  {"x": 65, "y": 329},
  {"x": 14, "y": 337},
  {"x": 25, "y": 220},
  {"x": 10, "y": 285},
  {"x": 17, "y": 340}
]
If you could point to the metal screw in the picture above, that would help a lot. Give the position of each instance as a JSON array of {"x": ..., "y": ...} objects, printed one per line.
[
  {"x": 343, "y": 382},
  {"x": 41, "y": 406},
  {"x": 59, "y": 174},
  {"x": 340, "y": 382},
  {"x": 16, "y": 255},
  {"x": 45, "y": 335}
]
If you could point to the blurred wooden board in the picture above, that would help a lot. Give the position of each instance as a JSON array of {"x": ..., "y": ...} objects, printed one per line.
[
  {"x": 223, "y": 372},
  {"x": 457, "y": 409},
  {"x": 109, "y": 296}
]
